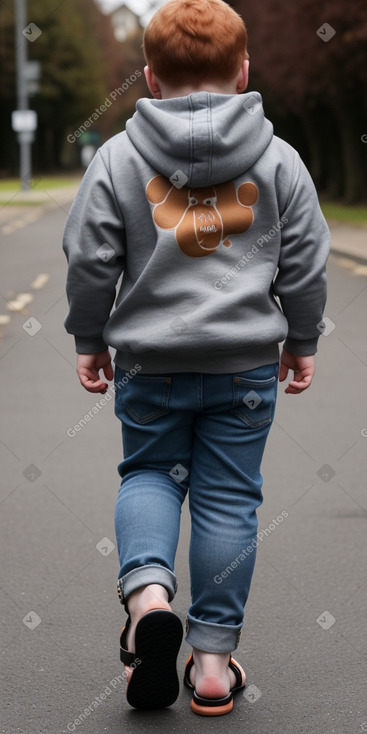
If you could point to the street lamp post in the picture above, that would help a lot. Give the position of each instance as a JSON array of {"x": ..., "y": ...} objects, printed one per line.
[{"x": 25, "y": 138}]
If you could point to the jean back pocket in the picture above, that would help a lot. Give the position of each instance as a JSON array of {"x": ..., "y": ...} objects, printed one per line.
[
  {"x": 254, "y": 399},
  {"x": 145, "y": 397}
]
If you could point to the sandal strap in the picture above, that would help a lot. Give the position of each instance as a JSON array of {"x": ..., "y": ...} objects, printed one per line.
[
  {"x": 122, "y": 600},
  {"x": 212, "y": 702},
  {"x": 126, "y": 657},
  {"x": 188, "y": 666},
  {"x": 233, "y": 666}
]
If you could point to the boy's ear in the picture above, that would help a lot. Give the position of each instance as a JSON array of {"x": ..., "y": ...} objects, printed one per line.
[
  {"x": 152, "y": 82},
  {"x": 243, "y": 74}
]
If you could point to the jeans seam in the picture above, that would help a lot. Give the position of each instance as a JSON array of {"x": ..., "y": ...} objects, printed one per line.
[
  {"x": 149, "y": 417},
  {"x": 200, "y": 390},
  {"x": 242, "y": 415}
]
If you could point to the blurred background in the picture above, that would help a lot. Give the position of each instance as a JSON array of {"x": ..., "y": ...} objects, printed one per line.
[
  {"x": 308, "y": 60},
  {"x": 304, "y": 647}
]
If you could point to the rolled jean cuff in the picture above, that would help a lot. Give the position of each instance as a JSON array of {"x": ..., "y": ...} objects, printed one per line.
[
  {"x": 212, "y": 637},
  {"x": 144, "y": 575}
]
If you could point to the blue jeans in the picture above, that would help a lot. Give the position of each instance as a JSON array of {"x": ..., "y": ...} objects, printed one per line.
[{"x": 203, "y": 434}]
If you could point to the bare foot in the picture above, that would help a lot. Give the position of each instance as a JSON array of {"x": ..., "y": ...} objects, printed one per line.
[
  {"x": 211, "y": 675},
  {"x": 141, "y": 601}
]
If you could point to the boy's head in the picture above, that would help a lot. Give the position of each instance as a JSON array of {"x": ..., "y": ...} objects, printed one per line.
[{"x": 191, "y": 43}]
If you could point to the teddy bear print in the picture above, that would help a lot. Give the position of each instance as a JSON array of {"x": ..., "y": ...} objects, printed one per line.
[{"x": 202, "y": 218}]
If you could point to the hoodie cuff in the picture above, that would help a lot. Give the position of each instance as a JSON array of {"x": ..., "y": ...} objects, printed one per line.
[
  {"x": 89, "y": 344},
  {"x": 301, "y": 347}
]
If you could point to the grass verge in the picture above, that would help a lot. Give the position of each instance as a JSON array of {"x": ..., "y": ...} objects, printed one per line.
[
  {"x": 38, "y": 184},
  {"x": 356, "y": 215}
]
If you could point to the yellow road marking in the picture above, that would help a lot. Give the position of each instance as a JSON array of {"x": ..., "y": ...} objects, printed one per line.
[
  {"x": 19, "y": 223},
  {"x": 18, "y": 303},
  {"x": 40, "y": 280}
]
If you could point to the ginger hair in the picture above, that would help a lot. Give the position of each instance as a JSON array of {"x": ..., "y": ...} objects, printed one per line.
[{"x": 194, "y": 41}]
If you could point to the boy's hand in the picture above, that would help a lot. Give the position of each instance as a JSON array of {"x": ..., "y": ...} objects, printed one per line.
[
  {"x": 303, "y": 368},
  {"x": 88, "y": 366}
]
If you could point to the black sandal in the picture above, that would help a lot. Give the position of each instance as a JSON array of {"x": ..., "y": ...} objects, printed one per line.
[{"x": 154, "y": 682}]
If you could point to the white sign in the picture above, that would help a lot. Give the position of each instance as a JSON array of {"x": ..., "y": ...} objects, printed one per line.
[{"x": 24, "y": 121}]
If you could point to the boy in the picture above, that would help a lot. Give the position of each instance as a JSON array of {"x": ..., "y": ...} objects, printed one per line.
[{"x": 211, "y": 219}]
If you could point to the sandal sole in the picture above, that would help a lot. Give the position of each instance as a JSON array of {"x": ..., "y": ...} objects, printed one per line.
[
  {"x": 211, "y": 710},
  {"x": 154, "y": 682}
]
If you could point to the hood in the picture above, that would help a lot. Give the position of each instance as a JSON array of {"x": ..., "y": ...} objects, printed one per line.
[{"x": 204, "y": 138}]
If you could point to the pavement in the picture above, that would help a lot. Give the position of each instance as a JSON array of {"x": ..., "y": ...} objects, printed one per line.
[{"x": 303, "y": 645}]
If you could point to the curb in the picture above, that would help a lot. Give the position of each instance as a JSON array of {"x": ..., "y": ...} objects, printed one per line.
[
  {"x": 358, "y": 259},
  {"x": 348, "y": 240}
]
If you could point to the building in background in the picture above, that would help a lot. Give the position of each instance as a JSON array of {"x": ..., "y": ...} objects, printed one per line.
[
  {"x": 125, "y": 22},
  {"x": 129, "y": 15}
]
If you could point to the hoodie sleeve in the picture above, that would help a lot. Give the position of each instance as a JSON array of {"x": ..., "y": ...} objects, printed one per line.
[
  {"x": 300, "y": 282},
  {"x": 94, "y": 245}
]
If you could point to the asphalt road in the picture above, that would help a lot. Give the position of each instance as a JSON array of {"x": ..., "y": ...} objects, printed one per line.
[{"x": 304, "y": 643}]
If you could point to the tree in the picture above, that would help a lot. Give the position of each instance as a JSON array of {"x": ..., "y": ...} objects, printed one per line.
[
  {"x": 317, "y": 84},
  {"x": 75, "y": 74}
]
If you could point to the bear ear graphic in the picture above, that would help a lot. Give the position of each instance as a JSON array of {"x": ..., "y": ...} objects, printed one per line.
[
  {"x": 170, "y": 203},
  {"x": 157, "y": 189},
  {"x": 248, "y": 193}
]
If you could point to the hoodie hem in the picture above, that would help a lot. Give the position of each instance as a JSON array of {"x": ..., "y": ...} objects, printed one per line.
[{"x": 210, "y": 363}]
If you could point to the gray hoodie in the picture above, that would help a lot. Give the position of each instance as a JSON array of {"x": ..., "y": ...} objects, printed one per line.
[{"x": 214, "y": 223}]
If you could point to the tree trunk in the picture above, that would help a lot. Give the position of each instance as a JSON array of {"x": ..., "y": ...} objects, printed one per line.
[
  {"x": 310, "y": 121},
  {"x": 353, "y": 152},
  {"x": 331, "y": 145}
]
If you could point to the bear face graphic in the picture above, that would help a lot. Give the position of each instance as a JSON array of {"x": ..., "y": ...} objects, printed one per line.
[{"x": 202, "y": 218}]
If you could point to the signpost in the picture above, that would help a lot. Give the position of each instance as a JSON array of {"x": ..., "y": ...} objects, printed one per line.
[{"x": 32, "y": 73}]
